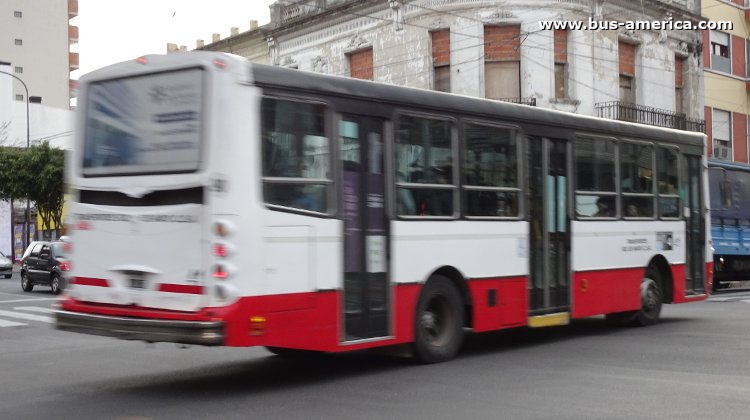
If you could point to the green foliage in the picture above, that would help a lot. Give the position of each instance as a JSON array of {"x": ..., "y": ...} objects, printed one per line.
[{"x": 36, "y": 174}]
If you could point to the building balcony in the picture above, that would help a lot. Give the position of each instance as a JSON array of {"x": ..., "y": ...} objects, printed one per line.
[
  {"x": 72, "y": 33},
  {"x": 73, "y": 61},
  {"x": 623, "y": 111},
  {"x": 72, "y": 8},
  {"x": 522, "y": 101}
]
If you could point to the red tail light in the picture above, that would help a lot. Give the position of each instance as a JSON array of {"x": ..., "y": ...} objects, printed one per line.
[
  {"x": 221, "y": 272},
  {"x": 65, "y": 266},
  {"x": 220, "y": 250}
]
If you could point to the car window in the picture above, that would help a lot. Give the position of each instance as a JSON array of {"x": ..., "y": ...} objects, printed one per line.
[
  {"x": 35, "y": 250},
  {"x": 58, "y": 249}
]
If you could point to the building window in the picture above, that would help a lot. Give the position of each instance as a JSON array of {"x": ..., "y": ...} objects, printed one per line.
[
  {"x": 679, "y": 72},
  {"x": 561, "y": 64},
  {"x": 626, "y": 55},
  {"x": 502, "y": 62},
  {"x": 19, "y": 41},
  {"x": 18, "y": 69},
  {"x": 360, "y": 64},
  {"x": 441, "y": 60},
  {"x": 721, "y": 132},
  {"x": 19, "y": 97},
  {"x": 17, "y": 14},
  {"x": 720, "y": 52}
]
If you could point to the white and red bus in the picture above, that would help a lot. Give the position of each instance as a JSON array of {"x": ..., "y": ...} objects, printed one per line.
[{"x": 220, "y": 202}]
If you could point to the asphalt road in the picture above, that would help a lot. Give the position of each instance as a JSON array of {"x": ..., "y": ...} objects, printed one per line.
[{"x": 692, "y": 365}]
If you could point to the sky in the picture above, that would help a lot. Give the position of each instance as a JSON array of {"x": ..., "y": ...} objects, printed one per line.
[{"x": 112, "y": 31}]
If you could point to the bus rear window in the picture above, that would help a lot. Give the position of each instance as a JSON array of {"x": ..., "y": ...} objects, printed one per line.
[{"x": 144, "y": 125}]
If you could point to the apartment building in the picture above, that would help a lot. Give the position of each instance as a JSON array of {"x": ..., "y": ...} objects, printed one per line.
[
  {"x": 41, "y": 47},
  {"x": 726, "y": 56}
]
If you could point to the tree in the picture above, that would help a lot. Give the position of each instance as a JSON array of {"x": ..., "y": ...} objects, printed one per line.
[
  {"x": 45, "y": 168},
  {"x": 35, "y": 174}
]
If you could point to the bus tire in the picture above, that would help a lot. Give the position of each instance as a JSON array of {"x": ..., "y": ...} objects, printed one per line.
[
  {"x": 438, "y": 322},
  {"x": 651, "y": 299}
]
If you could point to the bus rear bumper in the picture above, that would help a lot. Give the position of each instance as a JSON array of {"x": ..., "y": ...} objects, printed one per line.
[{"x": 206, "y": 333}]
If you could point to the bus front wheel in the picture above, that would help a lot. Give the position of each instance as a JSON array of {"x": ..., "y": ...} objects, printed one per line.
[{"x": 438, "y": 323}]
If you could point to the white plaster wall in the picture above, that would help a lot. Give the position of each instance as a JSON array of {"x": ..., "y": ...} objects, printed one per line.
[{"x": 403, "y": 57}]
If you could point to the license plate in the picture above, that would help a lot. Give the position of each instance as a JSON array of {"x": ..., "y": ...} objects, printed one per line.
[{"x": 137, "y": 283}]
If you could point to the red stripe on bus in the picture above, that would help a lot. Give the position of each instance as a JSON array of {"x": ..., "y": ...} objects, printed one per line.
[
  {"x": 605, "y": 291},
  {"x": 181, "y": 288},
  {"x": 90, "y": 281}
]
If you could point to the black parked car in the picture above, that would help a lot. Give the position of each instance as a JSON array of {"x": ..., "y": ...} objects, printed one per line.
[{"x": 44, "y": 263}]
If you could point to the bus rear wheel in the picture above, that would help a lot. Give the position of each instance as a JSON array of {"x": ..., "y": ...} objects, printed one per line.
[
  {"x": 438, "y": 322},
  {"x": 651, "y": 302}
]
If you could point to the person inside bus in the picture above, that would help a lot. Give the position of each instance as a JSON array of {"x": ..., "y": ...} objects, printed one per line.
[
  {"x": 603, "y": 208},
  {"x": 441, "y": 203},
  {"x": 406, "y": 204}
]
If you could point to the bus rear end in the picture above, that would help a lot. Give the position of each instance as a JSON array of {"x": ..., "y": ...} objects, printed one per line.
[{"x": 140, "y": 217}]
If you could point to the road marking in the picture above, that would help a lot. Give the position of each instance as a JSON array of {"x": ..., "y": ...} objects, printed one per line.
[
  {"x": 27, "y": 300},
  {"x": 4, "y": 323},
  {"x": 34, "y": 309},
  {"x": 29, "y": 317}
]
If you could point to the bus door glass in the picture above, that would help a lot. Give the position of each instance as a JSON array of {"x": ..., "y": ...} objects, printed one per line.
[
  {"x": 366, "y": 280},
  {"x": 695, "y": 229},
  {"x": 549, "y": 237}
]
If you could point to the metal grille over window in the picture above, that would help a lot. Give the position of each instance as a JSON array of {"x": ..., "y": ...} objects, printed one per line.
[
  {"x": 596, "y": 195},
  {"x": 637, "y": 180},
  {"x": 425, "y": 178},
  {"x": 667, "y": 164},
  {"x": 490, "y": 171},
  {"x": 296, "y": 156}
]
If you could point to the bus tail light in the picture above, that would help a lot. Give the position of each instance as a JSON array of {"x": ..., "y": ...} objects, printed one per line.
[
  {"x": 223, "y": 228},
  {"x": 222, "y": 271},
  {"x": 223, "y": 250}
]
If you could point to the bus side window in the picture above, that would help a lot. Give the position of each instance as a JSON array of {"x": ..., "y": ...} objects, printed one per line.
[
  {"x": 425, "y": 180},
  {"x": 490, "y": 171},
  {"x": 596, "y": 195},
  {"x": 296, "y": 155}
]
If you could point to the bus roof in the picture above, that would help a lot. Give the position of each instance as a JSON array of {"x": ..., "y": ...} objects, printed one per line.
[{"x": 309, "y": 82}]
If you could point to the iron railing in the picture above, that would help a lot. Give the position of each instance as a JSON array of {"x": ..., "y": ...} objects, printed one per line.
[
  {"x": 522, "y": 101},
  {"x": 622, "y": 111}
]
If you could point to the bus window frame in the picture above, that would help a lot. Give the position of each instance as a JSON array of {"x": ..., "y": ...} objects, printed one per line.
[
  {"x": 654, "y": 185},
  {"x": 679, "y": 183},
  {"x": 577, "y": 192},
  {"x": 455, "y": 187},
  {"x": 520, "y": 139},
  {"x": 332, "y": 195}
]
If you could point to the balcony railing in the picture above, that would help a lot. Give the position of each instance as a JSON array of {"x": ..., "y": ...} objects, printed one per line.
[
  {"x": 522, "y": 101},
  {"x": 622, "y": 111}
]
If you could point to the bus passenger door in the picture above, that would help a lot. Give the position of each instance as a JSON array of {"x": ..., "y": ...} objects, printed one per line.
[
  {"x": 549, "y": 237},
  {"x": 695, "y": 229},
  {"x": 366, "y": 296}
]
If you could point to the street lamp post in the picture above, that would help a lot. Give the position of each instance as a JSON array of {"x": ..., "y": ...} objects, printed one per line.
[{"x": 28, "y": 144}]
